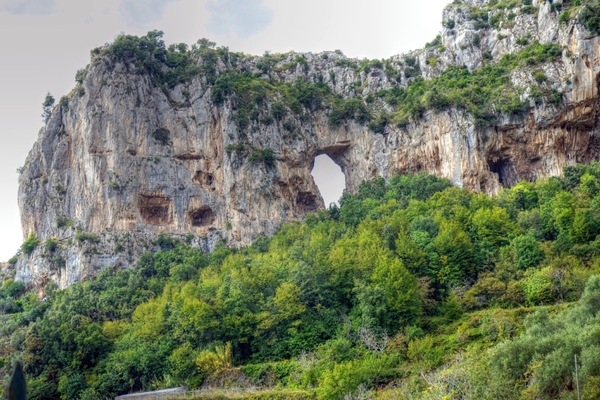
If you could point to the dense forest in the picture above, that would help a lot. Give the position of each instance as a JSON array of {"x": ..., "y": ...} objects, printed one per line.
[{"x": 411, "y": 288}]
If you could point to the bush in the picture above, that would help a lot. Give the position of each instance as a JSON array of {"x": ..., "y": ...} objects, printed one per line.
[
  {"x": 540, "y": 77},
  {"x": 449, "y": 24},
  {"x": 270, "y": 374},
  {"x": 278, "y": 110},
  {"x": 47, "y": 107},
  {"x": 51, "y": 244},
  {"x": 435, "y": 42},
  {"x": 63, "y": 222},
  {"x": 264, "y": 156},
  {"x": 210, "y": 362},
  {"x": 523, "y": 41},
  {"x": 80, "y": 75},
  {"x": 590, "y": 16},
  {"x": 425, "y": 352},
  {"x": 346, "y": 378},
  {"x": 12, "y": 288},
  {"x": 527, "y": 252},
  {"x": 82, "y": 236},
  {"x": 30, "y": 244}
]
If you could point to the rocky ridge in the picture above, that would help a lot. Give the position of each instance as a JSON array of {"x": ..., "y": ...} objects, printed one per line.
[{"x": 225, "y": 153}]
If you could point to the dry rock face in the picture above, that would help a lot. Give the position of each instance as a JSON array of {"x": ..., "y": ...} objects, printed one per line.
[{"x": 124, "y": 162}]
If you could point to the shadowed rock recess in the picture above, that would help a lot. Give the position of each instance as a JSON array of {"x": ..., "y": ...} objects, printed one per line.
[{"x": 207, "y": 145}]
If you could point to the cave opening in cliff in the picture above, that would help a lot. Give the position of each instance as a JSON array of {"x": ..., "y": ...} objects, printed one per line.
[
  {"x": 504, "y": 168},
  {"x": 329, "y": 178}
]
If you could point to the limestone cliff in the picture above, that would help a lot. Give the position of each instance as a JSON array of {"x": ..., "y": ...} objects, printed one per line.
[{"x": 127, "y": 156}]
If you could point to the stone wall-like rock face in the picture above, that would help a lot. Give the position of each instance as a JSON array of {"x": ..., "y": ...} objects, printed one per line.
[{"x": 125, "y": 163}]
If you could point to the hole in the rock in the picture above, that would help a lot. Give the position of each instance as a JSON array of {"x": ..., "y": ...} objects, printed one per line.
[
  {"x": 155, "y": 210},
  {"x": 203, "y": 179},
  {"x": 306, "y": 201},
  {"x": 505, "y": 170},
  {"x": 203, "y": 216},
  {"x": 329, "y": 179}
]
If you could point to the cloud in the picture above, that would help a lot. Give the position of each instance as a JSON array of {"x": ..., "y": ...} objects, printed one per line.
[
  {"x": 142, "y": 13},
  {"x": 244, "y": 18},
  {"x": 31, "y": 7}
]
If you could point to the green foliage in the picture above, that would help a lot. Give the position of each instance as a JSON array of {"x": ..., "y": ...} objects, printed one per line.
[
  {"x": 345, "y": 379},
  {"x": 527, "y": 252},
  {"x": 435, "y": 42},
  {"x": 590, "y": 16},
  {"x": 47, "y": 107},
  {"x": 262, "y": 98},
  {"x": 211, "y": 362},
  {"x": 30, "y": 244},
  {"x": 544, "y": 355},
  {"x": 391, "y": 286},
  {"x": 64, "y": 103},
  {"x": 51, "y": 244},
  {"x": 82, "y": 236},
  {"x": 63, "y": 222},
  {"x": 264, "y": 156},
  {"x": 81, "y": 75},
  {"x": 166, "y": 66},
  {"x": 482, "y": 93}
]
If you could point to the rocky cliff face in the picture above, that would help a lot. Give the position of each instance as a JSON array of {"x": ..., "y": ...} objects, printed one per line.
[{"x": 123, "y": 159}]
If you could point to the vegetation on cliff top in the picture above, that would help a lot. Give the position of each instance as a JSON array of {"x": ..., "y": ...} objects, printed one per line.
[
  {"x": 403, "y": 288},
  {"x": 258, "y": 96}
]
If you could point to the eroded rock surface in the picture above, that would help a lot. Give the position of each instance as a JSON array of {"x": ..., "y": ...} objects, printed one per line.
[{"x": 126, "y": 162}]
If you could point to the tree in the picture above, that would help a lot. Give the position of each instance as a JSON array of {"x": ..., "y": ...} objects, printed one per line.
[
  {"x": 527, "y": 252},
  {"x": 47, "y": 107},
  {"x": 401, "y": 291}
]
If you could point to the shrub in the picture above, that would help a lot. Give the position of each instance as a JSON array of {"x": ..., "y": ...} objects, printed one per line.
[
  {"x": 12, "y": 288},
  {"x": 264, "y": 156},
  {"x": 30, "y": 244},
  {"x": 432, "y": 62},
  {"x": 60, "y": 189},
  {"x": 527, "y": 252},
  {"x": 47, "y": 107},
  {"x": 435, "y": 42},
  {"x": 449, "y": 24},
  {"x": 209, "y": 362},
  {"x": 51, "y": 244},
  {"x": 63, "y": 222},
  {"x": 523, "y": 41},
  {"x": 540, "y": 77},
  {"x": 590, "y": 16},
  {"x": 528, "y": 9},
  {"x": 425, "y": 352},
  {"x": 346, "y": 378},
  {"x": 278, "y": 110},
  {"x": 64, "y": 103},
  {"x": 564, "y": 17},
  {"x": 270, "y": 374},
  {"x": 80, "y": 75},
  {"x": 82, "y": 236}
]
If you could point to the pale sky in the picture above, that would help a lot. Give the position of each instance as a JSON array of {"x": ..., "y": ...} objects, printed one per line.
[{"x": 44, "y": 42}]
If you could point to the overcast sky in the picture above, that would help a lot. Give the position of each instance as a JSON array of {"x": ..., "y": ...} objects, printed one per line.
[{"x": 44, "y": 42}]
